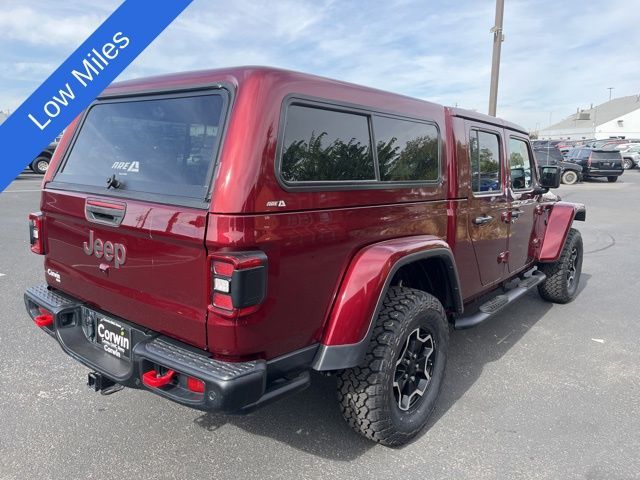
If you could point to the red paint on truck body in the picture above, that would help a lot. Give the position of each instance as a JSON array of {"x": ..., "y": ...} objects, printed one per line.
[
  {"x": 559, "y": 219},
  {"x": 313, "y": 241}
]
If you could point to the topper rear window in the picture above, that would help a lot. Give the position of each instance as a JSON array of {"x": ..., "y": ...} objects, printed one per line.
[{"x": 163, "y": 145}]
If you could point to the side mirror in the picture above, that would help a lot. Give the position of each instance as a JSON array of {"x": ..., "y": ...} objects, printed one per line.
[
  {"x": 550, "y": 176},
  {"x": 518, "y": 179}
]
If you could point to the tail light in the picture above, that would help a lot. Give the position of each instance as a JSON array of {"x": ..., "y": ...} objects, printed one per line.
[
  {"x": 35, "y": 233},
  {"x": 239, "y": 283},
  {"x": 195, "y": 385}
]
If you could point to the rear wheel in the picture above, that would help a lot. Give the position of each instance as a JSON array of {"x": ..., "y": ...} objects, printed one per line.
[
  {"x": 612, "y": 179},
  {"x": 627, "y": 163},
  {"x": 563, "y": 275},
  {"x": 389, "y": 397},
  {"x": 40, "y": 165},
  {"x": 569, "y": 177}
]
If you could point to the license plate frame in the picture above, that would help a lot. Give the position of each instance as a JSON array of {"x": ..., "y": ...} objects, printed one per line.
[{"x": 113, "y": 337}]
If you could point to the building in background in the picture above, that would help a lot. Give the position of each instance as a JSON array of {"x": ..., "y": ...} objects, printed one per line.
[{"x": 619, "y": 117}]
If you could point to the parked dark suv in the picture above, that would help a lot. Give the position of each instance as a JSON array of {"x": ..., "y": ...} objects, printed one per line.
[
  {"x": 570, "y": 172},
  {"x": 212, "y": 237},
  {"x": 597, "y": 163},
  {"x": 41, "y": 163}
]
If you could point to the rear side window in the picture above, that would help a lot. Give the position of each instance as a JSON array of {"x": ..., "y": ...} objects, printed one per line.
[
  {"x": 157, "y": 146},
  {"x": 485, "y": 161},
  {"x": 520, "y": 164},
  {"x": 322, "y": 145},
  {"x": 407, "y": 150}
]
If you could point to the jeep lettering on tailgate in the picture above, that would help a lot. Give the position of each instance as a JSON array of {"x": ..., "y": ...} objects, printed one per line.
[{"x": 109, "y": 250}]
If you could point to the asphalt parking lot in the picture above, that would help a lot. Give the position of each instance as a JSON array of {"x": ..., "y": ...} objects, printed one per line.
[{"x": 540, "y": 391}]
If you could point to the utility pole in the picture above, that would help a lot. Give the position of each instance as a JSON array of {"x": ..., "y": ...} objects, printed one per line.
[
  {"x": 609, "y": 88},
  {"x": 498, "y": 38}
]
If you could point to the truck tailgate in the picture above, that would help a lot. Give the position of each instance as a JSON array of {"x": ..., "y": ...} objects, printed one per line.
[{"x": 160, "y": 283}]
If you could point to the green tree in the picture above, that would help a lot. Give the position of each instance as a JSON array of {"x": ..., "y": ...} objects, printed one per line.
[
  {"x": 418, "y": 160},
  {"x": 311, "y": 160}
]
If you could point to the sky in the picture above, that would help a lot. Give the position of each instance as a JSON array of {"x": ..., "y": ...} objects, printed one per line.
[{"x": 557, "y": 56}]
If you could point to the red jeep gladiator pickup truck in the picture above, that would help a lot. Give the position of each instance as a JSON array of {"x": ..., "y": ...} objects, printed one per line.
[{"x": 214, "y": 236}]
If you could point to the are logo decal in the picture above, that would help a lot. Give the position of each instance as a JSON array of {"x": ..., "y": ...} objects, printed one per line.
[
  {"x": 123, "y": 167},
  {"x": 276, "y": 203}
]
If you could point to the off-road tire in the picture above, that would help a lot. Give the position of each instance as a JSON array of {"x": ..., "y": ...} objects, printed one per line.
[
  {"x": 38, "y": 165},
  {"x": 569, "y": 177},
  {"x": 367, "y": 394},
  {"x": 556, "y": 287},
  {"x": 612, "y": 179}
]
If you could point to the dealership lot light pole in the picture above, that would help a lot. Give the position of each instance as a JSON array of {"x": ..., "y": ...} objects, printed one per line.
[{"x": 498, "y": 38}]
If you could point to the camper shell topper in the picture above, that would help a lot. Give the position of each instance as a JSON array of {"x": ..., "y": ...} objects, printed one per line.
[{"x": 213, "y": 237}]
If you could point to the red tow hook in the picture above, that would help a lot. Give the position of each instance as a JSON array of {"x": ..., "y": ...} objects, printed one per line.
[
  {"x": 153, "y": 380},
  {"x": 45, "y": 319}
]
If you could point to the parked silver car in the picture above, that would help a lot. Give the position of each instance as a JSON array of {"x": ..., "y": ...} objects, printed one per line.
[{"x": 631, "y": 156}]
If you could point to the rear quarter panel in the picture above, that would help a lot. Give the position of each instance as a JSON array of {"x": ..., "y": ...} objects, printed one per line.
[
  {"x": 311, "y": 238},
  {"x": 308, "y": 255}
]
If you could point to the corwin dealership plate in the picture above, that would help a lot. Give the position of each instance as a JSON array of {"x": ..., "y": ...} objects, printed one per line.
[{"x": 113, "y": 337}]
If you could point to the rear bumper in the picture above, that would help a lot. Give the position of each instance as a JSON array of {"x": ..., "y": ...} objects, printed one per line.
[
  {"x": 603, "y": 173},
  {"x": 228, "y": 386}
]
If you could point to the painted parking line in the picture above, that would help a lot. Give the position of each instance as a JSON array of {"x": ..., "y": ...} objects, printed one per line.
[
  {"x": 2, "y": 274},
  {"x": 21, "y": 191}
]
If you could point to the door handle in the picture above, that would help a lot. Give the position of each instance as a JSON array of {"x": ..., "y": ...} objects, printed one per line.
[
  {"x": 106, "y": 213},
  {"x": 482, "y": 220}
]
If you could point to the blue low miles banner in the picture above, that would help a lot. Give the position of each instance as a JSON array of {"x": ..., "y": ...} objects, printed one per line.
[{"x": 80, "y": 79}]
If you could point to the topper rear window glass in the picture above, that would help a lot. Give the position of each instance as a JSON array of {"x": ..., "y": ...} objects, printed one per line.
[{"x": 161, "y": 146}]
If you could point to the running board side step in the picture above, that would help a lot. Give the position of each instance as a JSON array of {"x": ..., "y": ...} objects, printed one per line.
[{"x": 497, "y": 303}]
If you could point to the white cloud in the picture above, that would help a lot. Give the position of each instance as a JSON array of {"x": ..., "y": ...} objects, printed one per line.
[
  {"x": 556, "y": 56},
  {"x": 55, "y": 26}
]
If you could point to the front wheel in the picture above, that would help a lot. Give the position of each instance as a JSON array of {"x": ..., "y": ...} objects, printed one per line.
[
  {"x": 569, "y": 177},
  {"x": 627, "y": 163},
  {"x": 389, "y": 397},
  {"x": 612, "y": 179},
  {"x": 563, "y": 275}
]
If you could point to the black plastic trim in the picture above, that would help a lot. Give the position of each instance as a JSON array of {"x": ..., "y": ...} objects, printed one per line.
[
  {"x": 229, "y": 386},
  {"x": 511, "y": 296},
  {"x": 581, "y": 213},
  {"x": 249, "y": 285},
  {"x": 104, "y": 215},
  {"x": 338, "y": 357},
  {"x": 159, "y": 198}
]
